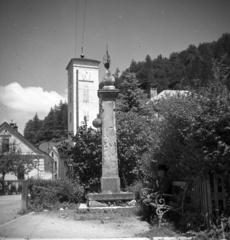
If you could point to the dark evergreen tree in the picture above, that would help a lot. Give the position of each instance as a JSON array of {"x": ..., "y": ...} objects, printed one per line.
[
  {"x": 32, "y": 129},
  {"x": 54, "y": 127},
  {"x": 146, "y": 74},
  {"x": 131, "y": 95}
]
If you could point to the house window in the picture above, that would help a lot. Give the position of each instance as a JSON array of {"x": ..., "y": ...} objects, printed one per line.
[
  {"x": 4, "y": 145},
  {"x": 55, "y": 166},
  {"x": 52, "y": 154}
]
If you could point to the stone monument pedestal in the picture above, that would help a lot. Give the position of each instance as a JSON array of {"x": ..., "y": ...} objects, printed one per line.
[
  {"x": 110, "y": 181},
  {"x": 110, "y": 184}
]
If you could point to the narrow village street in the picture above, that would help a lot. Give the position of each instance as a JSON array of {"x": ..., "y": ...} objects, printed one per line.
[
  {"x": 62, "y": 224},
  {"x": 10, "y": 206}
]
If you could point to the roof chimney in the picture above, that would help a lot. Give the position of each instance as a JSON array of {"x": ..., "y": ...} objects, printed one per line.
[
  {"x": 15, "y": 127},
  {"x": 153, "y": 92},
  {"x": 12, "y": 124}
]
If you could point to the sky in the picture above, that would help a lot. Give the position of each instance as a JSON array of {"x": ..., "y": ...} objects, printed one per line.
[{"x": 38, "y": 38}]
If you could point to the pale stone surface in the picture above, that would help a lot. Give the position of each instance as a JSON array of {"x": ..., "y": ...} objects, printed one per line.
[
  {"x": 111, "y": 196},
  {"x": 97, "y": 204},
  {"x": 109, "y": 142},
  {"x": 109, "y": 87},
  {"x": 110, "y": 181},
  {"x": 110, "y": 184}
]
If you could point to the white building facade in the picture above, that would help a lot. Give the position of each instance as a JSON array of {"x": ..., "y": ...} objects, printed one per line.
[{"x": 83, "y": 82}]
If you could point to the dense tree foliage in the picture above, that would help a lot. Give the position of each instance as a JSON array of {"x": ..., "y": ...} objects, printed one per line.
[
  {"x": 189, "y": 68},
  {"x": 54, "y": 127},
  {"x": 176, "y": 125},
  {"x": 193, "y": 137},
  {"x": 131, "y": 97},
  {"x": 133, "y": 139},
  {"x": 16, "y": 163},
  {"x": 85, "y": 157}
]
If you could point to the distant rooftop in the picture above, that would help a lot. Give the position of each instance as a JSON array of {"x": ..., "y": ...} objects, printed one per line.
[{"x": 170, "y": 93}]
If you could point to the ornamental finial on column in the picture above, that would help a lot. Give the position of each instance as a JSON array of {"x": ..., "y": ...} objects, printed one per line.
[{"x": 108, "y": 79}]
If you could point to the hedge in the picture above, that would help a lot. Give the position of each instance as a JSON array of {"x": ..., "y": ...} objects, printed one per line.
[{"x": 50, "y": 194}]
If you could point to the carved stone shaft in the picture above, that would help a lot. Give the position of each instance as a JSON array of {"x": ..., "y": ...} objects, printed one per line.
[{"x": 110, "y": 181}]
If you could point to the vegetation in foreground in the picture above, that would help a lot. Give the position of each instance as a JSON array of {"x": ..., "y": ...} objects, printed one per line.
[{"x": 53, "y": 194}]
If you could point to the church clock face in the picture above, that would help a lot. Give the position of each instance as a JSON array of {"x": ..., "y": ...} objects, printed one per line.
[{"x": 86, "y": 75}]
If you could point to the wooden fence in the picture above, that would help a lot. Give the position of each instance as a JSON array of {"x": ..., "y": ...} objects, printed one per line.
[{"x": 210, "y": 196}]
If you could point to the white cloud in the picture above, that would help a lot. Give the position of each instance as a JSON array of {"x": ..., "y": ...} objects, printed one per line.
[
  {"x": 20, "y": 104},
  {"x": 29, "y": 99}
]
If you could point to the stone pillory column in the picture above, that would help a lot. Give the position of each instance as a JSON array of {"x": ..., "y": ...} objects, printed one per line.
[{"x": 110, "y": 181}]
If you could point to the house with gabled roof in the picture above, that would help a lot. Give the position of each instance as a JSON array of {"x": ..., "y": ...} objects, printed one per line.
[
  {"x": 10, "y": 136},
  {"x": 60, "y": 158}
]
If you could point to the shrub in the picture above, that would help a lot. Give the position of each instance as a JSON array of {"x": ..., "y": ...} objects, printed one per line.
[
  {"x": 49, "y": 194},
  {"x": 135, "y": 188},
  {"x": 86, "y": 157}
]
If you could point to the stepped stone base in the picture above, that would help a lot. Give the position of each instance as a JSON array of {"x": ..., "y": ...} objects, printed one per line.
[{"x": 110, "y": 196}]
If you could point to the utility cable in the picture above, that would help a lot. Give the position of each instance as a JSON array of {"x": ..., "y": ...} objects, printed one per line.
[
  {"x": 83, "y": 32},
  {"x": 76, "y": 31}
]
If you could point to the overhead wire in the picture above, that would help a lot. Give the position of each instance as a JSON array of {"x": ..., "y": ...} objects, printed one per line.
[
  {"x": 76, "y": 31},
  {"x": 83, "y": 31}
]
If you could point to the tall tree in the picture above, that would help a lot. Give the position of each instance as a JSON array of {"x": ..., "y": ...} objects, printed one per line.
[
  {"x": 14, "y": 162},
  {"x": 146, "y": 74},
  {"x": 86, "y": 157},
  {"x": 131, "y": 96},
  {"x": 32, "y": 128}
]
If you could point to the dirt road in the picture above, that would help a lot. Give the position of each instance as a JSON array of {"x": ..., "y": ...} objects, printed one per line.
[
  {"x": 10, "y": 205},
  {"x": 46, "y": 225},
  {"x": 68, "y": 223}
]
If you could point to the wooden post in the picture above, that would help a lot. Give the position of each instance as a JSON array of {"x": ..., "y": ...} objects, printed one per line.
[
  {"x": 223, "y": 192},
  {"x": 199, "y": 195},
  {"x": 216, "y": 196},
  {"x": 204, "y": 197},
  {"x": 209, "y": 202},
  {"x": 24, "y": 200}
]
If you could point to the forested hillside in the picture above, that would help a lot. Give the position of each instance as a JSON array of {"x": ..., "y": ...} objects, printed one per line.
[
  {"x": 191, "y": 68},
  {"x": 54, "y": 127}
]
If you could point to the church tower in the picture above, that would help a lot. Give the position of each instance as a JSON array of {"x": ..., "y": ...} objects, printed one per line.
[{"x": 83, "y": 82}]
